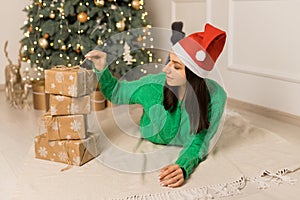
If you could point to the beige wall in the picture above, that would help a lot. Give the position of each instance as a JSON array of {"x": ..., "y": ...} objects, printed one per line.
[{"x": 12, "y": 19}]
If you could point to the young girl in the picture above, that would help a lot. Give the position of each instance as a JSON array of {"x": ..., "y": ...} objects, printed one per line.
[{"x": 181, "y": 106}]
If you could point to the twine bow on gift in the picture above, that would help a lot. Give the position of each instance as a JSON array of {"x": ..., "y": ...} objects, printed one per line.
[
  {"x": 47, "y": 120},
  {"x": 90, "y": 146},
  {"x": 86, "y": 74},
  {"x": 69, "y": 162},
  {"x": 65, "y": 68}
]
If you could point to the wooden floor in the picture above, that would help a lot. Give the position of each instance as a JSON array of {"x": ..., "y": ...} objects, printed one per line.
[{"x": 18, "y": 128}]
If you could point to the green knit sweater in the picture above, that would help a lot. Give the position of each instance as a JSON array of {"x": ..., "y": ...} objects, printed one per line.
[{"x": 159, "y": 125}]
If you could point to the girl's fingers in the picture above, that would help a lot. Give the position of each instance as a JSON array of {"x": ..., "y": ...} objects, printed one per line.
[
  {"x": 176, "y": 184},
  {"x": 171, "y": 176},
  {"x": 98, "y": 58}
]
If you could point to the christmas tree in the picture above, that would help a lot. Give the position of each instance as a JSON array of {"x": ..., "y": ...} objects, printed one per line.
[{"x": 61, "y": 32}]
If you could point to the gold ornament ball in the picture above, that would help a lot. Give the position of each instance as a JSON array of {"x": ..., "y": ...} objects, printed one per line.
[
  {"x": 136, "y": 4},
  {"x": 43, "y": 43},
  {"x": 77, "y": 50},
  {"x": 139, "y": 39},
  {"x": 46, "y": 36},
  {"x": 30, "y": 29},
  {"x": 82, "y": 17},
  {"x": 99, "y": 2},
  {"x": 52, "y": 15},
  {"x": 38, "y": 4},
  {"x": 120, "y": 25}
]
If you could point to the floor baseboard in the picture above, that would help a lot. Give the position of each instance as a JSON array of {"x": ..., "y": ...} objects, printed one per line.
[{"x": 266, "y": 112}]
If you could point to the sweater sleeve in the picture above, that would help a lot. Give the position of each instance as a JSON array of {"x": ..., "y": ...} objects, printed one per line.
[
  {"x": 189, "y": 158},
  {"x": 125, "y": 92},
  {"x": 194, "y": 152}
]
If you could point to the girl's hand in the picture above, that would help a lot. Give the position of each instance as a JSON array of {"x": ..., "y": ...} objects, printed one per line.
[
  {"x": 98, "y": 58},
  {"x": 171, "y": 176}
]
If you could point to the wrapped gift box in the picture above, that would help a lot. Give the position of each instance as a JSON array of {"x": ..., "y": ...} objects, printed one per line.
[
  {"x": 73, "y": 152},
  {"x": 40, "y": 98},
  {"x": 66, "y": 127},
  {"x": 97, "y": 101},
  {"x": 63, "y": 105},
  {"x": 69, "y": 81}
]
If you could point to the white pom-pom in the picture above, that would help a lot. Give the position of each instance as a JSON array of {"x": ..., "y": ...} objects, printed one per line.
[{"x": 200, "y": 55}]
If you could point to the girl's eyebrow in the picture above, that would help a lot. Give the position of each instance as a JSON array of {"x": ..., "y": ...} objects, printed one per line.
[{"x": 176, "y": 62}]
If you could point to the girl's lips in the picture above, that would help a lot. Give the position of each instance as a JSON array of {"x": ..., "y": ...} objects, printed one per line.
[{"x": 168, "y": 77}]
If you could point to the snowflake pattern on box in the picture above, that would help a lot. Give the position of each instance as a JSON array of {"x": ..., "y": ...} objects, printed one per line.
[
  {"x": 71, "y": 77},
  {"x": 43, "y": 152},
  {"x": 53, "y": 110},
  {"x": 72, "y": 90},
  {"x": 75, "y": 125},
  {"x": 60, "y": 98},
  {"x": 51, "y": 143},
  {"x": 54, "y": 126},
  {"x": 59, "y": 77},
  {"x": 63, "y": 156},
  {"x": 53, "y": 85},
  {"x": 74, "y": 108}
]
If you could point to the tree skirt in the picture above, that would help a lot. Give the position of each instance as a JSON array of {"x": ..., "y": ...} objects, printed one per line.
[{"x": 247, "y": 162}]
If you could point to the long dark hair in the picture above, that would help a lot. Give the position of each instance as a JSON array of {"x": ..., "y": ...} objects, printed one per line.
[{"x": 196, "y": 100}]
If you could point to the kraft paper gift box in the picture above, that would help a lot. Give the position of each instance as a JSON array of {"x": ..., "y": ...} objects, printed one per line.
[
  {"x": 63, "y": 105},
  {"x": 69, "y": 81},
  {"x": 65, "y": 127},
  {"x": 40, "y": 98},
  {"x": 97, "y": 101},
  {"x": 72, "y": 152}
]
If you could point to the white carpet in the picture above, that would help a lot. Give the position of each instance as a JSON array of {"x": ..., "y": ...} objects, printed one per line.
[{"x": 243, "y": 150}]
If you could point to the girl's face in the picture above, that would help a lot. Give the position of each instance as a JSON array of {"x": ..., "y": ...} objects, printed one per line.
[{"x": 175, "y": 71}]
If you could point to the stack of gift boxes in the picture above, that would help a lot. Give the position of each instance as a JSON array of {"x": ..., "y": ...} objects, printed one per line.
[{"x": 66, "y": 138}]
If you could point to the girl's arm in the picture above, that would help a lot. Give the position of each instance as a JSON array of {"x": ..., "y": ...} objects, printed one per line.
[{"x": 194, "y": 152}]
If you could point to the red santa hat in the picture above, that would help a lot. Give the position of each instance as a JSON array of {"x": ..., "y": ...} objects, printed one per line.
[{"x": 199, "y": 51}]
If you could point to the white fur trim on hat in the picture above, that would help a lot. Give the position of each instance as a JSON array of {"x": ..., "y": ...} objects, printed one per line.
[{"x": 188, "y": 61}]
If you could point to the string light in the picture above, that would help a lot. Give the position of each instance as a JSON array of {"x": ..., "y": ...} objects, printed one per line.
[{"x": 33, "y": 33}]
